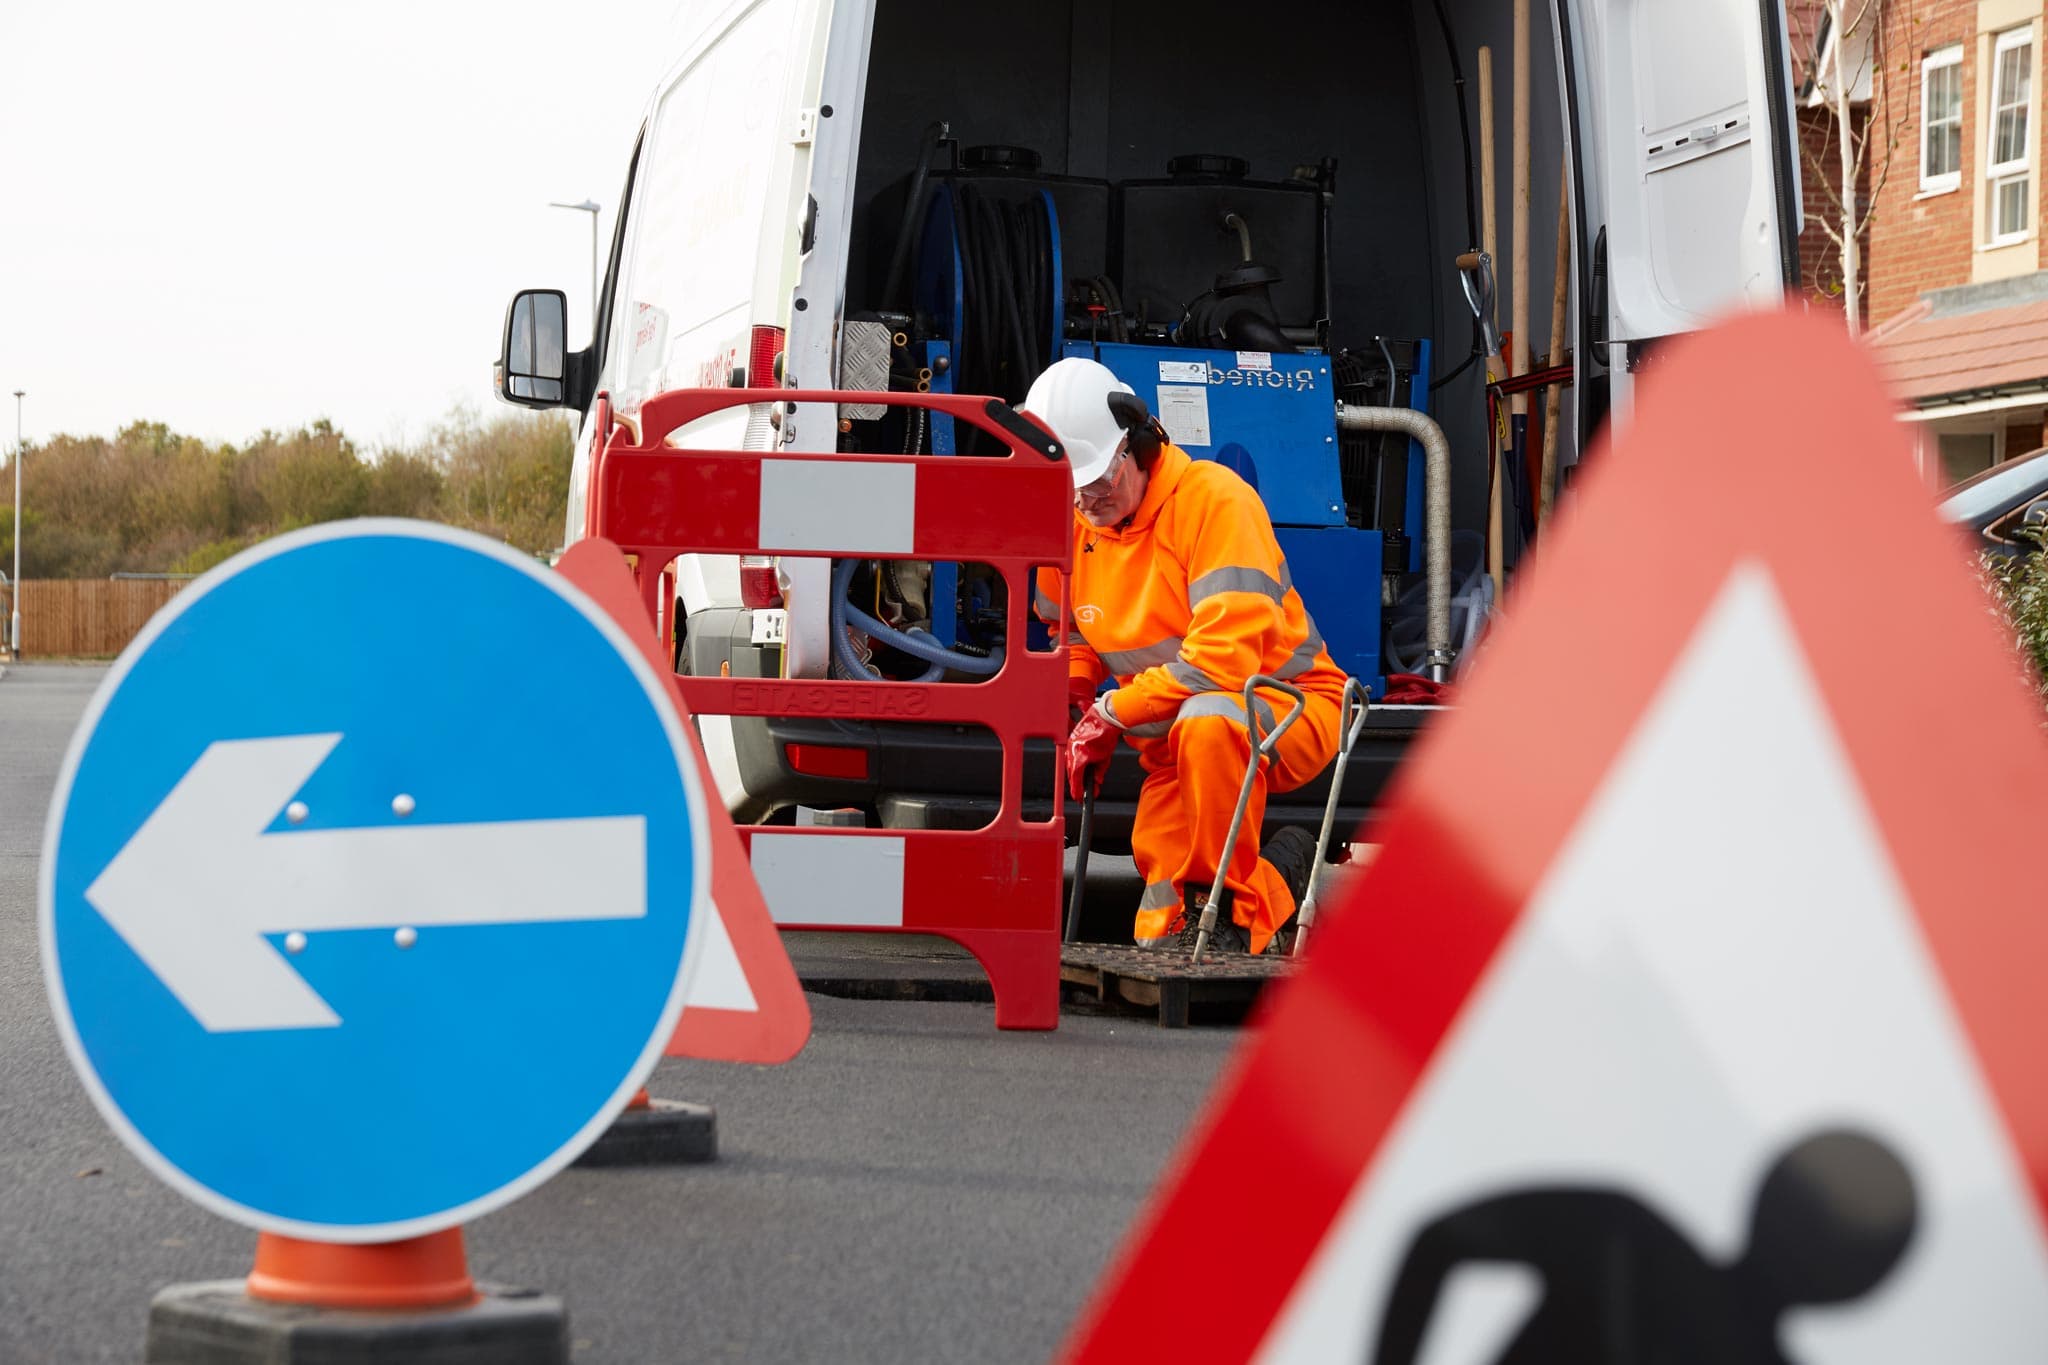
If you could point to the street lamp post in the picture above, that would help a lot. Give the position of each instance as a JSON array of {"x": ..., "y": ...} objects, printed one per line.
[
  {"x": 14, "y": 597},
  {"x": 591, "y": 207}
]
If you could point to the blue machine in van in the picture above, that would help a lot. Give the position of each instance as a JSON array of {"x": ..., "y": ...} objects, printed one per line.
[
  {"x": 1273, "y": 419},
  {"x": 1269, "y": 415}
]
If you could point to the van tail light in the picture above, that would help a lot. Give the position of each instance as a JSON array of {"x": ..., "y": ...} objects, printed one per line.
[
  {"x": 826, "y": 760},
  {"x": 764, "y": 358},
  {"x": 760, "y": 588}
]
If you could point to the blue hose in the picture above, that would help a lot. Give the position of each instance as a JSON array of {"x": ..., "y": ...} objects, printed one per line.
[{"x": 917, "y": 644}]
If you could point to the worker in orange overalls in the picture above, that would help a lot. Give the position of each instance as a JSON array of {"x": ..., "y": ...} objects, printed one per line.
[{"x": 1181, "y": 594}]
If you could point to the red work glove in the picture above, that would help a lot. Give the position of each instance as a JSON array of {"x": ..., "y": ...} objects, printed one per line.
[
  {"x": 1089, "y": 747},
  {"x": 1080, "y": 696}
]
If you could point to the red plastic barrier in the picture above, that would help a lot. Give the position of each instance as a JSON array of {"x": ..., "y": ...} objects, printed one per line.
[{"x": 995, "y": 891}]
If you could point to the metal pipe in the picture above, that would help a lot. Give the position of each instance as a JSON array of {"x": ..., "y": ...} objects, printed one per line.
[
  {"x": 1436, "y": 453},
  {"x": 1233, "y": 223},
  {"x": 14, "y": 584}
]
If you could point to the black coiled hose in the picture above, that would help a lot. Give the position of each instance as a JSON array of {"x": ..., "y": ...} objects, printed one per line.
[
  {"x": 913, "y": 214},
  {"x": 1008, "y": 292}
]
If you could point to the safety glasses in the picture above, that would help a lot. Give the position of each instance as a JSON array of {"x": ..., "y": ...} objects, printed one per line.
[{"x": 1104, "y": 486}]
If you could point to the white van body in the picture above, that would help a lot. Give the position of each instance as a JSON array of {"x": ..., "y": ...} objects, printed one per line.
[{"x": 1670, "y": 119}]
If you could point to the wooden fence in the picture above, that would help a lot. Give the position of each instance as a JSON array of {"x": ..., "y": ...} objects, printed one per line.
[{"x": 86, "y": 617}]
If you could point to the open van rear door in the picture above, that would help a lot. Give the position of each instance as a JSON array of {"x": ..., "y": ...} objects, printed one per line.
[
  {"x": 1681, "y": 128},
  {"x": 836, "y": 97}
]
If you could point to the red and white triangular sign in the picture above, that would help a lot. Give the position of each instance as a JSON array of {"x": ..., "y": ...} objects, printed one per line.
[
  {"x": 746, "y": 1004},
  {"x": 1693, "y": 1008}
]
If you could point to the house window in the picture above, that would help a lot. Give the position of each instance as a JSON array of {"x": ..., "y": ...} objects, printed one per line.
[
  {"x": 2008, "y": 156},
  {"x": 1941, "y": 120}
]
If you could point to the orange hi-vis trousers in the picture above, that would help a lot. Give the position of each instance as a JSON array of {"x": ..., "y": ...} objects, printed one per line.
[
  {"x": 1192, "y": 776},
  {"x": 1182, "y": 603}
]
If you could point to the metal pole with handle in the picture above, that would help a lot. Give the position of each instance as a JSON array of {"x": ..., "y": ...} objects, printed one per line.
[
  {"x": 1261, "y": 748},
  {"x": 1081, "y": 859},
  {"x": 1354, "y": 726}
]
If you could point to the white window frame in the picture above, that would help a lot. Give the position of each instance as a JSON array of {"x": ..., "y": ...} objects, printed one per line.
[
  {"x": 1936, "y": 61},
  {"x": 1997, "y": 174}
]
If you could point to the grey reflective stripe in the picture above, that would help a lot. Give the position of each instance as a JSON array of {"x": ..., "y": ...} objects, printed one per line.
[
  {"x": 1225, "y": 704},
  {"x": 1237, "y": 579},
  {"x": 1192, "y": 678},
  {"x": 1158, "y": 895},
  {"x": 1126, "y": 661},
  {"x": 1047, "y": 609},
  {"x": 1076, "y": 639},
  {"x": 1304, "y": 657}
]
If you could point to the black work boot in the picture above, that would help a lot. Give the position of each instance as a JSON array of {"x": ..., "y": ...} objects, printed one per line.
[
  {"x": 1225, "y": 937},
  {"x": 1292, "y": 853}
]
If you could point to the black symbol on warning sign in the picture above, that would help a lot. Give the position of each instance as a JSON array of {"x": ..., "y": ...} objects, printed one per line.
[{"x": 1620, "y": 1284}]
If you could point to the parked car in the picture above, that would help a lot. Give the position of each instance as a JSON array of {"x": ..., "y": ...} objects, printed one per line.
[{"x": 1997, "y": 503}]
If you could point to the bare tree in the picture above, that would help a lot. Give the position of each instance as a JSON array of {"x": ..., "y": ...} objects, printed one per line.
[{"x": 1842, "y": 43}]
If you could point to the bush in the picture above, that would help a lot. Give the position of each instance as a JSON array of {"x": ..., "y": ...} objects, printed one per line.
[
  {"x": 2021, "y": 585},
  {"x": 150, "y": 500}
]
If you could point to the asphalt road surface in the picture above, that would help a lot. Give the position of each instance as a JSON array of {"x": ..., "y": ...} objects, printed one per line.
[{"x": 914, "y": 1186}]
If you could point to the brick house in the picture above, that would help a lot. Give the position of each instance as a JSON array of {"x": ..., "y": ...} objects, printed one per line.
[
  {"x": 1958, "y": 299},
  {"x": 1811, "y": 35}
]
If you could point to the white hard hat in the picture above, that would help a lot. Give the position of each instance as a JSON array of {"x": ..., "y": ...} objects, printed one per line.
[{"x": 1072, "y": 397}]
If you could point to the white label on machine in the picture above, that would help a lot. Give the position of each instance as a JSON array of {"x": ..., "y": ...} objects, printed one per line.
[
  {"x": 1255, "y": 360},
  {"x": 770, "y": 626},
  {"x": 1183, "y": 371},
  {"x": 1184, "y": 412}
]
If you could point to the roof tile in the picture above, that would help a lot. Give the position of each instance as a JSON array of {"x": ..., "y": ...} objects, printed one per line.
[{"x": 1930, "y": 357}]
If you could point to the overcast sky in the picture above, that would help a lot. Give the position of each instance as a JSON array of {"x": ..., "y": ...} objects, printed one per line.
[{"x": 227, "y": 216}]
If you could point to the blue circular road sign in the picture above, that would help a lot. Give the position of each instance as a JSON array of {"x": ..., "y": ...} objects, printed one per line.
[{"x": 369, "y": 888}]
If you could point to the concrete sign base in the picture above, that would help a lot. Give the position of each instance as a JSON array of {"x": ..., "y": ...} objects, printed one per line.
[
  {"x": 662, "y": 1133},
  {"x": 217, "y": 1323}
]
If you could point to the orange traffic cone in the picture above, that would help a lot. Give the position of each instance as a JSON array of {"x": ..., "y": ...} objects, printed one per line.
[{"x": 420, "y": 1272}]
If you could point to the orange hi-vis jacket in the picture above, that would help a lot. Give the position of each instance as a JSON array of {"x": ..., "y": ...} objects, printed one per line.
[{"x": 1189, "y": 595}]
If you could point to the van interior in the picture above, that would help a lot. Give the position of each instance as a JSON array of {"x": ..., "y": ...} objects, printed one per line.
[{"x": 1276, "y": 199}]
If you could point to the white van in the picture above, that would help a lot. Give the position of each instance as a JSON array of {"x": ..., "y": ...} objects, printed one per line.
[{"x": 886, "y": 193}]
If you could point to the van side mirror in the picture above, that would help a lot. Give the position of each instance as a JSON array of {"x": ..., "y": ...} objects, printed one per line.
[{"x": 533, "y": 362}]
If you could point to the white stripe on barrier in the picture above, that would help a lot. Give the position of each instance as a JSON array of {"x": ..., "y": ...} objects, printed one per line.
[
  {"x": 844, "y": 880},
  {"x": 854, "y": 507}
]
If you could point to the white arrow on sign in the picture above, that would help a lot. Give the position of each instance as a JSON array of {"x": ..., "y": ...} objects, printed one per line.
[{"x": 200, "y": 884}]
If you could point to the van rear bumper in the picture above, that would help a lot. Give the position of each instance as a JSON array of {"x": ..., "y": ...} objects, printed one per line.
[{"x": 949, "y": 777}]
